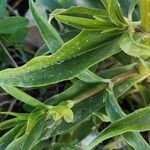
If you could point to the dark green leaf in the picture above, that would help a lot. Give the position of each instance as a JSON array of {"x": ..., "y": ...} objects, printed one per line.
[
  {"x": 12, "y": 24},
  {"x": 114, "y": 112},
  {"x": 125, "y": 124},
  {"x": 49, "y": 34},
  {"x": 44, "y": 70},
  {"x": 17, "y": 143},
  {"x": 9, "y": 137}
]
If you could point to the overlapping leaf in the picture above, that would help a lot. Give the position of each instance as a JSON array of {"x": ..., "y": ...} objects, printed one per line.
[
  {"x": 70, "y": 17},
  {"x": 44, "y": 70},
  {"x": 12, "y": 24},
  {"x": 133, "y": 47},
  {"x": 125, "y": 124}
]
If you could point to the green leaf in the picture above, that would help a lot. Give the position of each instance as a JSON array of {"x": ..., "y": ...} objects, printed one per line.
[
  {"x": 69, "y": 16},
  {"x": 145, "y": 94},
  {"x": 3, "y": 5},
  {"x": 124, "y": 85},
  {"x": 114, "y": 112},
  {"x": 17, "y": 143},
  {"x": 113, "y": 72},
  {"x": 137, "y": 121},
  {"x": 72, "y": 93},
  {"x": 85, "y": 108},
  {"x": 53, "y": 35},
  {"x": 18, "y": 37},
  {"x": 79, "y": 90},
  {"x": 105, "y": 4},
  {"x": 84, "y": 23},
  {"x": 90, "y": 77},
  {"x": 8, "y": 137},
  {"x": 49, "y": 34},
  {"x": 12, "y": 122},
  {"x": 15, "y": 114},
  {"x": 32, "y": 119},
  {"x": 43, "y": 50},
  {"x": 115, "y": 13},
  {"x": 142, "y": 67},
  {"x": 22, "y": 96},
  {"x": 33, "y": 137},
  {"x": 133, "y": 47},
  {"x": 63, "y": 109},
  {"x": 131, "y": 8},
  {"x": 12, "y": 24},
  {"x": 50, "y": 5},
  {"x": 44, "y": 70},
  {"x": 81, "y": 10}
]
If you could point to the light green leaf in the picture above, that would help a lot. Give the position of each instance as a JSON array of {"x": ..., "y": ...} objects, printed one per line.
[
  {"x": 15, "y": 114},
  {"x": 143, "y": 67},
  {"x": 69, "y": 16},
  {"x": 74, "y": 92},
  {"x": 133, "y": 47},
  {"x": 22, "y": 96},
  {"x": 12, "y": 24},
  {"x": 63, "y": 109},
  {"x": 83, "y": 10},
  {"x": 84, "y": 23},
  {"x": 115, "y": 13}
]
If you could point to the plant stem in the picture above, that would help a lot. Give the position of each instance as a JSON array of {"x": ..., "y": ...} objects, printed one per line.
[{"x": 145, "y": 17}]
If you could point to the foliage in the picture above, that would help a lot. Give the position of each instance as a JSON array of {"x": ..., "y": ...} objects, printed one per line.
[{"x": 93, "y": 33}]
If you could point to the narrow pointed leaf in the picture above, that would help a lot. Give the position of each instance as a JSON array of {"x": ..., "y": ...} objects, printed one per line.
[
  {"x": 131, "y": 8},
  {"x": 44, "y": 70},
  {"x": 114, "y": 112},
  {"x": 125, "y": 124},
  {"x": 17, "y": 143},
  {"x": 12, "y": 123},
  {"x": 34, "y": 134},
  {"x": 3, "y": 5},
  {"x": 84, "y": 10},
  {"x": 22, "y": 96},
  {"x": 15, "y": 114},
  {"x": 9, "y": 137},
  {"x": 84, "y": 23},
  {"x": 49, "y": 34}
]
